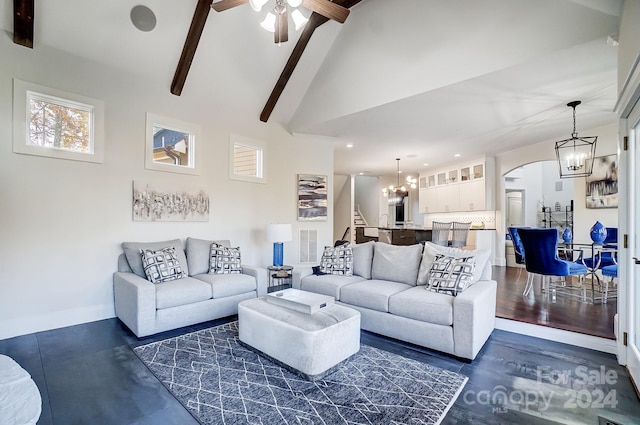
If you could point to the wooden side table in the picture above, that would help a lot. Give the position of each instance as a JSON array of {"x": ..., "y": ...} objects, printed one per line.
[{"x": 279, "y": 278}]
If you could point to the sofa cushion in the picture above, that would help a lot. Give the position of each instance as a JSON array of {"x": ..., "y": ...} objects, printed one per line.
[
  {"x": 181, "y": 292},
  {"x": 373, "y": 294},
  {"x": 134, "y": 257},
  {"x": 450, "y": 275},
  {"x": 227, "y": 285},
  {"x": 431, "y": 250},
  {"x": 396, "y": 263},
  {"x": 362, "y": 258},
  {"x": 426, "y": 306},
  {"x": 162, "y": 265},
  {"x": 327, "y": 284},
  {"x": 337, "y": 260},
  {"x": 198, "y": 254},
  {"x": 224, "y": 260}
]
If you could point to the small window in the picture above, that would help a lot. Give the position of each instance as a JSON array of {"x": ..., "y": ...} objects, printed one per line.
[
  {"x": 50, "y": 122},
  {"x": 246, "y": 160},
  {"x": 171, "y": 145}
]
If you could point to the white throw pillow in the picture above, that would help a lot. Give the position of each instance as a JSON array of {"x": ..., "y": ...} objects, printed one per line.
[
  {"x": 431, "y": 250},
  {"x": 162, "y": 265},
  {"x": 337, "y": 260},
  {"x": 450, "y": 275},
  {"x": 224, "y": 260}
]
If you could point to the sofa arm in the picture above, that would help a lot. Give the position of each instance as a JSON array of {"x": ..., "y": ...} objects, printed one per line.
[
  {"x": 260, "y": 275},
  {"x": 474, "y": 317},
  {"x": 135, "y": 302},
  {"x": 298, "y": 274}
]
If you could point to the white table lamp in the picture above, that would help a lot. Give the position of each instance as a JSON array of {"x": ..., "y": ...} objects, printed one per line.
[{"x": 279, "y": 233}]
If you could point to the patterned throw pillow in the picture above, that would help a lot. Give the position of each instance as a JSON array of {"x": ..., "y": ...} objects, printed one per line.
[
  {"x": 224, "y": 260},
  {"x": 337, "y": 260},
  {"x": 450, "y": 275},
  {"x": 161, "y": 266}
]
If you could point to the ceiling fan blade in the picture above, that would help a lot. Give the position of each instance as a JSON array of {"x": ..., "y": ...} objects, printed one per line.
[
  {"x": 281, "y": 33},
  {"x": 223, "y": 5},
  {"x": 327, "y": 9}
]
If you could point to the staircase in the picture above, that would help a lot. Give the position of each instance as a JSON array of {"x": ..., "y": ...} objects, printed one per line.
[{"x": 358, "y": 219}]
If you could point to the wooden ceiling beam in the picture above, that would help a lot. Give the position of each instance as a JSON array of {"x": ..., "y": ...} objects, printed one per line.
[
  {"x": 314, "y": 22},
  {"x": 23, "y": 11},
  {"x": 190, "y": 45}
]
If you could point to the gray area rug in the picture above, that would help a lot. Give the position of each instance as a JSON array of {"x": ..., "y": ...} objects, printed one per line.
[{"x": 221, "y": 382}]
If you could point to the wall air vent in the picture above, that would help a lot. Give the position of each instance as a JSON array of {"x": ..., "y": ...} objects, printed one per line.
[{"x": 308, "y": 246}]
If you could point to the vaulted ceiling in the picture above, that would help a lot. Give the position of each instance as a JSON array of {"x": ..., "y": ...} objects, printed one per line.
[{"x": 420, "y": 80}]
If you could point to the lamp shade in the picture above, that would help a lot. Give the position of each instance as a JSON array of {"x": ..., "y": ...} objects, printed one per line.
[{"x": 279, "y": 233}]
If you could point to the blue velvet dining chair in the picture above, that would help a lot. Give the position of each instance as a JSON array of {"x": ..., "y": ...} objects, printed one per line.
[
  {"x": 610, "y": 272},
  {"x": 540, "y": 248},
  {"x": 607, "y": 257},
  {"x": 518, "y": 250}
]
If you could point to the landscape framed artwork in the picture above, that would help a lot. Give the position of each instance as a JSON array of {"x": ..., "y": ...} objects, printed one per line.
[
  {"x": 165, "y": 202},
  {"x": 312, "y": 197},
  {"x": 602, "y": 184}
]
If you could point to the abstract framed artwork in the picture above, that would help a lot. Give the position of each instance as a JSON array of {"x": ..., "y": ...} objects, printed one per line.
[
  {"x": 161, "y": 202},
  {"x": 602, "y": 184},
  {"x": 312, "y": 197}
]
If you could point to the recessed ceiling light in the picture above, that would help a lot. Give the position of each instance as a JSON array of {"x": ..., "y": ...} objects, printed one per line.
[
  {"x": 457, "y": 155},
  {"x": 426, "y": 164},
  {"x": 361, "y": 173},
  {"x": 350, "y": 145},
  {"x": 143, "y": 18}
]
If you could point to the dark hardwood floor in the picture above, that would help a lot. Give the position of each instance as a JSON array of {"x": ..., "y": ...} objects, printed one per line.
[{"x": 566, "y": 313}]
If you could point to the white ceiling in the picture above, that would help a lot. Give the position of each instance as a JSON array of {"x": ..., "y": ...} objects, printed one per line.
[{"x": 420, "y": 80}]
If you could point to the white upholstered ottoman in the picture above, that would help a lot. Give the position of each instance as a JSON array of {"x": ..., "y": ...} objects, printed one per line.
[{"x": 310, "y": 344}]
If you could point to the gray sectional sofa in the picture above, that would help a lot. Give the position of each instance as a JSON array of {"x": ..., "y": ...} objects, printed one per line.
[
  {"x": 388, "y": 289},
  {"x": 147, "y": 308}
]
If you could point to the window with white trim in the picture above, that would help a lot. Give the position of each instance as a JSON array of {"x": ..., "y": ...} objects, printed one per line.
[
  {"x": 54, "y": 123},
  {"x": 246, "y": 159}
]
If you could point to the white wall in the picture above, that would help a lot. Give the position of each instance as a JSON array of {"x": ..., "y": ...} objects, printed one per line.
[
  {"x": 629, "y": 40},
  {"x": 343, "y": 207},
  {"x": 367, "y": 190},
  {"x": 64, "y": 220}
]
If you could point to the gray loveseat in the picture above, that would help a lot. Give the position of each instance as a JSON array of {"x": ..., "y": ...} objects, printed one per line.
[
  {"x": 388, "y": 289},
  {"x": 147, "y": 308}
]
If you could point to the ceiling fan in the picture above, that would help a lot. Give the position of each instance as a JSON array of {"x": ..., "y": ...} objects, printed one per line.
[
  {"x": 323, "y": 11},
  {"x": 326, "y": 8}
]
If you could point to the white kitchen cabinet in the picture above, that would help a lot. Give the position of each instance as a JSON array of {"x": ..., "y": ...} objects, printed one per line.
[
  {"x": 465, "y": 187},
  {"x": 448, "y": 198}
]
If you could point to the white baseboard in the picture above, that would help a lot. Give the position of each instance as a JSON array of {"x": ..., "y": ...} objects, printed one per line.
[
  {"x": 54, "y": 320},
  {"x": 500, "y": 262},
  {"x": 552, "y": 334}
]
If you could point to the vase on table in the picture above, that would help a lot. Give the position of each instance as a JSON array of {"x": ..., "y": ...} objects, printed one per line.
[
  {"x": 567, "y": 235},
  {"x": 598, "y": 233}
]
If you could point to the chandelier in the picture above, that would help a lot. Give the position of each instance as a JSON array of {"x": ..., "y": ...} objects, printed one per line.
[
  {"x": 278, "y": 17},
  {"x": 398, "y": 192},
  {"x": 575, "y": 155}
]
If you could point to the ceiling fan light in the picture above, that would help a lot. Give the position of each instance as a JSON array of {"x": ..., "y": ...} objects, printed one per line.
[
  {"x": 294, "y": 3},
  {"x": 269, "y": 22},
  {"x": 257, "y": 4},
  {"x": 299, "y": 19}
]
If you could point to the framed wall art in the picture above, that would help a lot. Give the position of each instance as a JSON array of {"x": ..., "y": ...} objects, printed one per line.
[
  {"x": 602, "y": 184},
  {"x": 312, "y": 197},
  {"x": 162, "y": 202}
]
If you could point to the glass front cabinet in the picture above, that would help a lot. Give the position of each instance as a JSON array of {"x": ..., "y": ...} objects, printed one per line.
[{"x": 464, "y": 187}]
